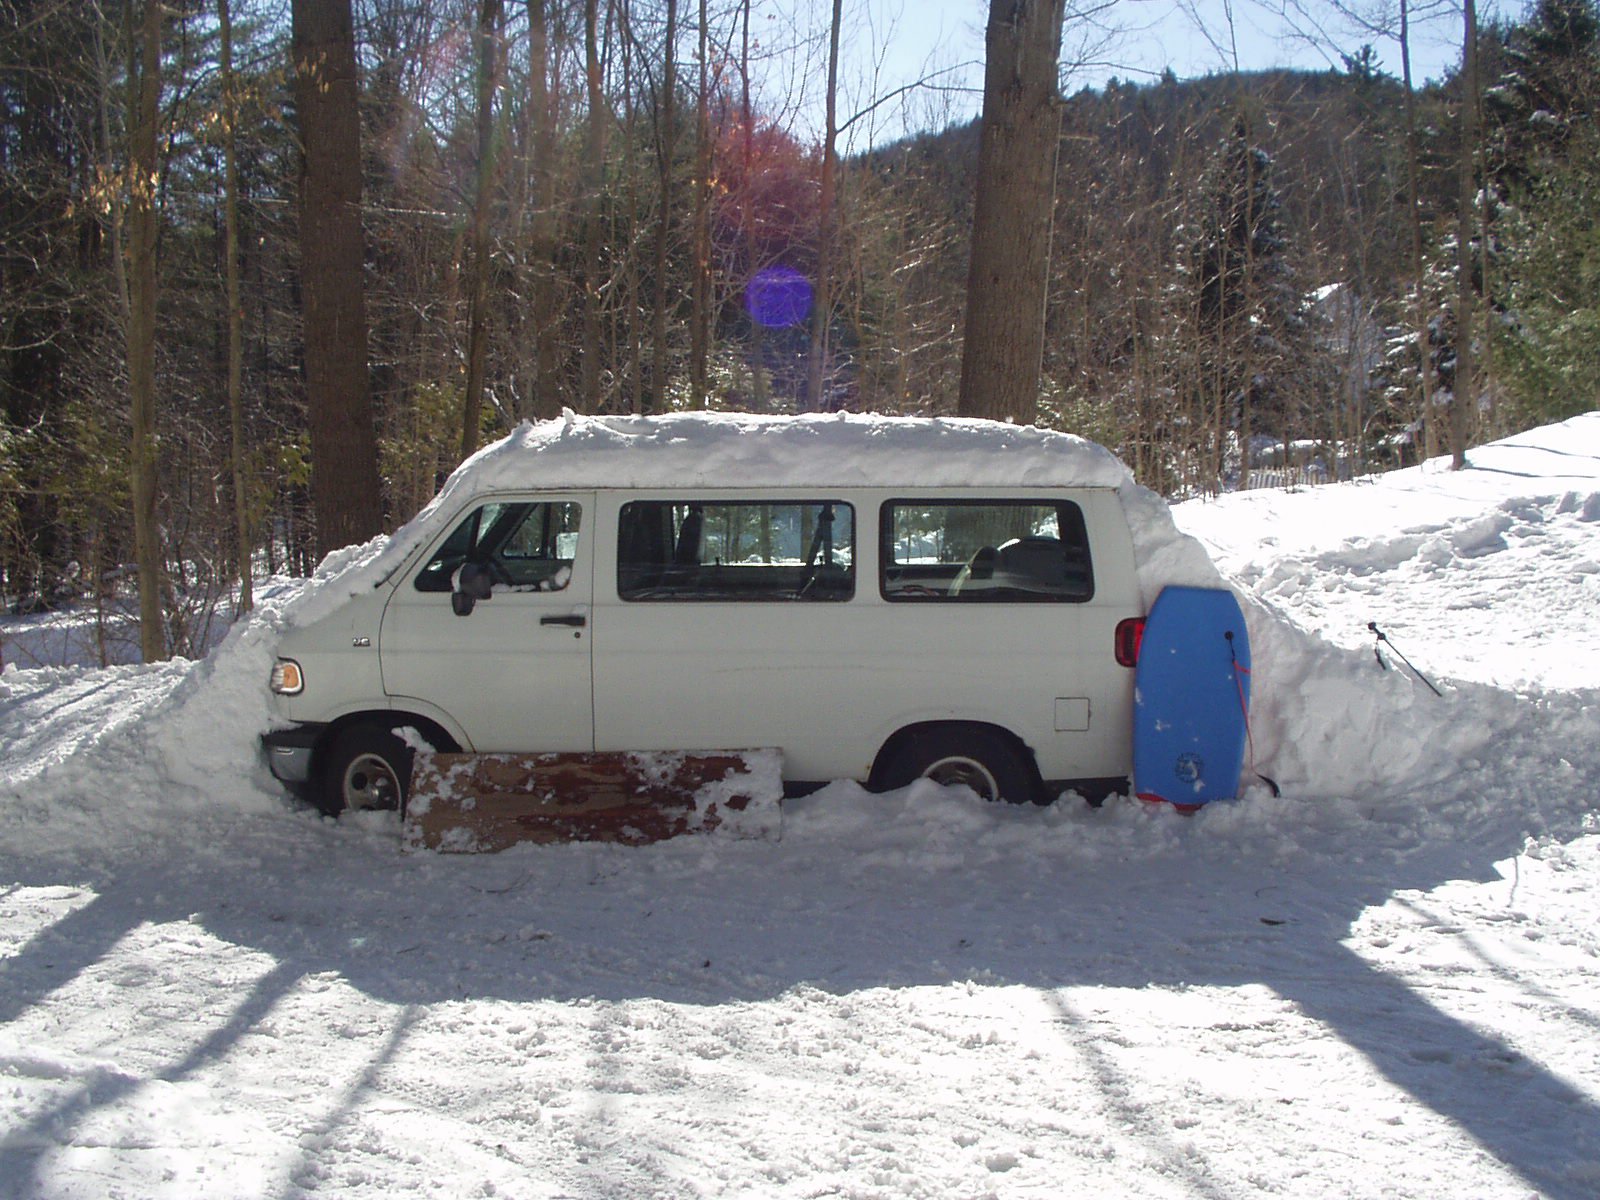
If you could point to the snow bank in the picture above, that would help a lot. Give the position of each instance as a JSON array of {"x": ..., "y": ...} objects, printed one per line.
[
  {"x": 1485, "y": 578},
  {"x": 124, "y": 756}
]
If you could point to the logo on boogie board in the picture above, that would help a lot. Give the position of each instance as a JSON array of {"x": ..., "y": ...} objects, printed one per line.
[{"x": 1189, "y": 767}]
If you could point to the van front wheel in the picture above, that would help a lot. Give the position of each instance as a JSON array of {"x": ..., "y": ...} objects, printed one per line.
[
  {"x": 366, "y": 767},
  {"x": 982, "y": 759}
]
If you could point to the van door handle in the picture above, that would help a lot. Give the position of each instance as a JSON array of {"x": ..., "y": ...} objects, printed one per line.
[{"x": 575, "y": 620}]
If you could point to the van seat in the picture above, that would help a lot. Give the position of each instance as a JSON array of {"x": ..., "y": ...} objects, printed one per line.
[
  {"x": 1043, "y": 564},
  {"x": 1037, "y": 559},
  {"x": 978, "y": 571}
]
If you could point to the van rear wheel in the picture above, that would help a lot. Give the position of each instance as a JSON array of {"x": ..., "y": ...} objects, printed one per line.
[
  {"x": 366, "y": 767},
  {"x": 982, "y": 759}
]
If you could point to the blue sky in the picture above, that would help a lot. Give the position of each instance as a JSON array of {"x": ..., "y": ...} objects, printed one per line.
[{"x": 889, "y": 43}]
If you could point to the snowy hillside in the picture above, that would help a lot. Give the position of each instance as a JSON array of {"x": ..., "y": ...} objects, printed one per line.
[{"x": 1380, "y": 984}]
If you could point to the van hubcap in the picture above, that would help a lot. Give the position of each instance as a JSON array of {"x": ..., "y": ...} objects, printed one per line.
[
  {"x": 369, "y": 782},
  {"x": 958, "y": 769}
]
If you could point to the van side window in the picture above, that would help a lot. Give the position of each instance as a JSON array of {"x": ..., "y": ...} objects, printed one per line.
[
  {"x": 528, "y": 547},
  {"x": 736, "y": 550},
  {"x": 978, "y": 551}
]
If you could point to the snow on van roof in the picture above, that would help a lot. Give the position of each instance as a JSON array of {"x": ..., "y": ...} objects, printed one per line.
[
  {"x": 739, "y": 449},
  {"x": 705, "y": 450}
]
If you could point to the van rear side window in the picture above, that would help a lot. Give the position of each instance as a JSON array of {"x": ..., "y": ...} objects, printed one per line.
[
  {"x": 984, "y": 551},
  {"x": 736, "y": 550}
]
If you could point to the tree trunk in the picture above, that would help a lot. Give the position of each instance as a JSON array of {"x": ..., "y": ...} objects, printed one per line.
[
  {"x": 666, "y": 151},
  {"x": 1414, "y": 203},
  {"x": 144, "y": 87},
  {"x": 230, "y": 187},
  {"x": 1465, "y": 294},
  {"x": 345, "y": 496},
  {"x": 478, "y": 283},
  {"x": 1008, "y": 277},
  {"x": 700, "y": 303},
  {"x": 822, "y": 296},
  {"x": 1248, "y": 287},
  {"x": 759, "y": 391},
  {"x": 593, "y": 234},
  {"x": 546, "y": 392},
  {"x": 626, "y": 323}
]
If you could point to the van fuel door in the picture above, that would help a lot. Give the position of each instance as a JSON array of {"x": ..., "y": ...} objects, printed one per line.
[{"x": 1072, "y": 714}]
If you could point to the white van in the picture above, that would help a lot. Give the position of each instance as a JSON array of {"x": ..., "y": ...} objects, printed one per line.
[{"x": 878, "y": 598}]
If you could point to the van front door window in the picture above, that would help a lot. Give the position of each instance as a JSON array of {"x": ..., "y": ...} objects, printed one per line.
[{"x": 525, "y": 546}]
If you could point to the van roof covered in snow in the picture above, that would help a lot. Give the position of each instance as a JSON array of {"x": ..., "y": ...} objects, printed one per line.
[{"x": 741, "y": 450}]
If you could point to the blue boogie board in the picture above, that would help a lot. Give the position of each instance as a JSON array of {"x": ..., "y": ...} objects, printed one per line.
[{"x": 1191, "y": 697}]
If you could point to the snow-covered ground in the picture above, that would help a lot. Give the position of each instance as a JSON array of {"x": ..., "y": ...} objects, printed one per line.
[{"x": 1380, "y": 984}]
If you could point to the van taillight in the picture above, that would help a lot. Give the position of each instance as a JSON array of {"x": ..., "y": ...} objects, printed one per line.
[{"x": 1129, "y": 636}]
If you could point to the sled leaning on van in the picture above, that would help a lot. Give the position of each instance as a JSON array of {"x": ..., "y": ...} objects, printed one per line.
[{"x": 877, "y": 599}]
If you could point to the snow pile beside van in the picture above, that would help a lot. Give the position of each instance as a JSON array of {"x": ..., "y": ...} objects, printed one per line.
[
  {"x": 1488, "y": 579},
  {"x": 1428, "y": 553}
]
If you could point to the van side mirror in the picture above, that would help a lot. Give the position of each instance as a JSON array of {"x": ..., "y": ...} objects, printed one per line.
[{"x": 473, "y": 583}]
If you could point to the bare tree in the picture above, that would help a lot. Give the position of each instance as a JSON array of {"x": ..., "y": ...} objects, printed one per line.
[
  {"x": 666, "y": 121},
  {"x": 624, "y": 285},
  {"x": 822, "y": 302},
  {"x": 1376, "y": 17},
  {"x": 144, "y": 88},
  {"x": 230, "y": 210},
  {"x": 344, "y": 451},
  {"x": 545, "y": 392},
  {"x": 488, "y": 37},
  {"x": 1466, "y": 295},
  {"x": 1009, "y": 273},
  {"x": 590, "y": 351},
  {"x": 1414, "y": 203},
  {"x": 700, "y": 287}
]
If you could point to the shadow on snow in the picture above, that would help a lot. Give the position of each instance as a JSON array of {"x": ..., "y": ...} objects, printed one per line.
[{"x": 707, "y": 923}]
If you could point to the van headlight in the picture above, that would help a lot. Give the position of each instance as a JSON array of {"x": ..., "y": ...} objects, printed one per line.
[{"x": 287, "y": 679}]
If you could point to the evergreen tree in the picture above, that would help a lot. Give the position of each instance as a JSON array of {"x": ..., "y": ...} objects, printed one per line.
[
  {"x": 1250, "y": 331},
  {"x": 1549, "y": 152}
]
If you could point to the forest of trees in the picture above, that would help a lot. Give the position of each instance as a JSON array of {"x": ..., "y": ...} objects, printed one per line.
[{"x": 1253, "y": 279}]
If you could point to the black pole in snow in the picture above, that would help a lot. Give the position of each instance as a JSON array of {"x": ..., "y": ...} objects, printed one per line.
[{"x": 1384, "y": 638}]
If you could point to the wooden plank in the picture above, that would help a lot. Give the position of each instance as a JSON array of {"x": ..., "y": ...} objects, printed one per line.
[{"x": 481, "y": 803}]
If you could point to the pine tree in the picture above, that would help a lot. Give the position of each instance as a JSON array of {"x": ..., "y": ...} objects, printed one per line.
[
  {"x": 1548, "y": 154},
  {"x": 1249, "y": 326}
]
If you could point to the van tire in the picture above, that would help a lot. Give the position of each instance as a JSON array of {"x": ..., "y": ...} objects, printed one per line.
[
  {"x": 365, "y": 767},
  {"x": 984, "y": 759}
]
